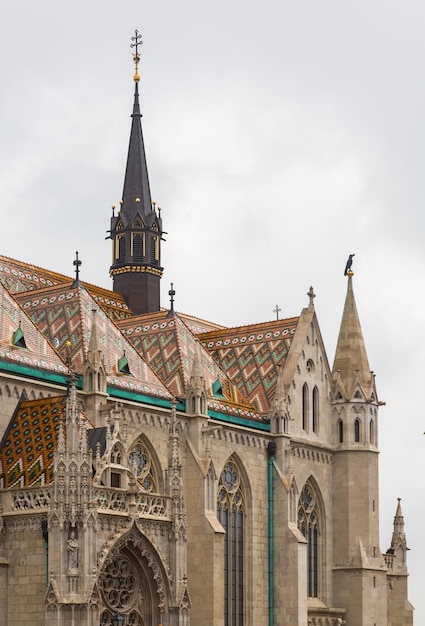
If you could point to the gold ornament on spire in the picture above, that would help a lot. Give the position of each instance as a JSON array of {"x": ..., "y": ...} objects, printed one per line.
[{"x": 136, "y": 56}]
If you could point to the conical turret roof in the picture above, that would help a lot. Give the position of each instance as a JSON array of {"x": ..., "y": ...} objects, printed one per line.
[
  {"x": 136, "y": 194},
  {"x": 351, "y": 362}
]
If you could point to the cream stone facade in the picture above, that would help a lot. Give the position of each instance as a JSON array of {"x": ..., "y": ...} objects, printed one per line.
[{"x": 157, "y": 469}]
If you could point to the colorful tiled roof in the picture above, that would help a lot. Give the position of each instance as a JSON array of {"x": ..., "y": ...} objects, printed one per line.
[
  {"x": 18, "y": 277},
  {"x": 64, "y": 315},
  {"x": 38, "y": 353},
  {"x": 26, "y": 451},
  {"x": 250, "y": 356},
  {"x": 169, "y": 348}
]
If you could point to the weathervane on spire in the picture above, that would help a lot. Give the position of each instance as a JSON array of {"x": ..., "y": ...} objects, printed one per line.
[{"x": 137, "y": 39}]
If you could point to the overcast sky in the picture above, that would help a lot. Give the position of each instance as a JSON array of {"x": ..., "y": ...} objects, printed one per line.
[{"x": 280, "y": 137}]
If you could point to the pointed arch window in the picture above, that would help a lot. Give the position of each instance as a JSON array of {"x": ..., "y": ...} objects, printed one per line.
[
  {"x": 340, "y": 427},
  {"x": 231, "y": 514},
  {"x": 305, "y": 406},
  {"x": 371, "y": 432},
  {"x": 309, "y": 524},
  {"x": 315, "y": 416},
  {"x": 141, "y": 460},
  {"x": 357, "y": 430}
]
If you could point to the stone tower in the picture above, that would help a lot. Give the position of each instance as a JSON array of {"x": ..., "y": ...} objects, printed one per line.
[
  {"x": 136, "y": 230},
  {"x": 359, "y": 568},
  {"x": 400, "y": 611}
]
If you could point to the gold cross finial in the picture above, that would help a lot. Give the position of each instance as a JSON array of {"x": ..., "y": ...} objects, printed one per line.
[{"x": 137, "y": 39}]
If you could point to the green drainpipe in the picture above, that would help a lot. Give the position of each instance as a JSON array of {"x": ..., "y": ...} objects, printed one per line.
[{"x": 271, "y": 451}]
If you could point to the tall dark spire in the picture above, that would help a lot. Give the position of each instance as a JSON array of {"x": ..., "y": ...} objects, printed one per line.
[{"x": 137, "y": 229}]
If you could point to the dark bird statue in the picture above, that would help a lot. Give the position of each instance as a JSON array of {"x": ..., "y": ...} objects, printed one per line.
[{"x": 349, "y": 264}]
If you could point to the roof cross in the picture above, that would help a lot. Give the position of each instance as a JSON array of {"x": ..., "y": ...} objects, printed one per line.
[
  {"x": 77, "y": 264},
  {"x": 277, "y": 310},
  {"x": 172, "y": 293},
  {"x": 136, "y": 56}
]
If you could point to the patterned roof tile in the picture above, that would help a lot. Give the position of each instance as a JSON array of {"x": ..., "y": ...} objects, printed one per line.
[
  {"x": 38, "y": 353},
  {"x": 64, "y": 315},
  {"x": 27, "y": 448},
  {"x": 250, "y": 356}
]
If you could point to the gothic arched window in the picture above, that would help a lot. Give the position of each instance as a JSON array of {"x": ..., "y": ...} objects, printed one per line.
[
  {"x": 305, "y": 406},
  {"x": 141, "y": 460},
  {"x": 340, "y": 431},
  {"x": 231, "y": 514},
  {"x": 357, "y": 430},
  {"x": 315, "y": 424},
  {"x": 371, "y": 432},
  {"x": 309, "y": 525}
]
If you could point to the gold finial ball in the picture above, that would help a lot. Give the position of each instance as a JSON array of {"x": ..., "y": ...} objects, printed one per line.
[
  {"x": 137, "y": 199},
  {"x": 113, "y": 206},
  {"x": 350, "y": 273},
  {"x": 121, "y": 201},
  {"x": 159, "y": 209},
  {"x": 136, "y": 77}
]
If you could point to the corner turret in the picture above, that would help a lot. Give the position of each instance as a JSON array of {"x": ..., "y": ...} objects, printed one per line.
[
  {"x": 400, "y": 610},
  {"x": 359, "y": 567}
]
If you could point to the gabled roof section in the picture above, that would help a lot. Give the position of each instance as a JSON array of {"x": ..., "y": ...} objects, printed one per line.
[
  {"x": 197, "y": 325},
  {"x": 38, "y": 353},
  {"x": 169, "y": 347},
  {"x": 250, "y": 356},
  {"x": 27, "y": 447},
  {"x": 19, "y": 277},
  {"x": 64, "y": 315}
]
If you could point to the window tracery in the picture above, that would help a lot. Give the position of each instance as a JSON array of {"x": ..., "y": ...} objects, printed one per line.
[
  {"x": 231, "y": 514},
  {"x": 141, "y": 460},
  {"x": 121, "y": 593},
  {"x": 309, "y": 525}
]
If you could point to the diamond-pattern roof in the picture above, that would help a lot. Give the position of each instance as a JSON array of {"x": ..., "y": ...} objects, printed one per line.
[
  {"x": 18, "y": 277},
  {"x": 64, "y": 315},
  {"x": 38, "y": 352},
  {"x": 244, "y": 359},
  {"x": 169, "y": 347},
  {"x": 250, "y": 356}
]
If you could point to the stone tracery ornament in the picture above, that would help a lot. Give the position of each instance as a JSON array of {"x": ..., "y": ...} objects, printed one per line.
[
  {"x": 119, "y": 584},
  {"x": 140, "y": 458}
]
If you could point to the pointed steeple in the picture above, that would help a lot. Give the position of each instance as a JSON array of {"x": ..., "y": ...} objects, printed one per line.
[
  {"x": 398, "y": 547},
  {"x": 351, "y": 365},
  {"x": 136, "y": 231},
  {"x": 136, "y": 195}
]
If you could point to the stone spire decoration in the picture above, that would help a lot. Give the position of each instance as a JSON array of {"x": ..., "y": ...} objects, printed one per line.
[
  {"x": 351, "y": 365},
  {"x": 196, "y": 402},
  {"x": 178, "y": 545},
  {"x": 398, "y": 548},
  {"x": 72, "y": 520},
  {"x": 94, "y": 372},
  {"x": 136, "y": 231}
]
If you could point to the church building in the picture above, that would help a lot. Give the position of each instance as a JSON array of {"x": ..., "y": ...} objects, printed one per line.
[{"x": 160, "y": 469}]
